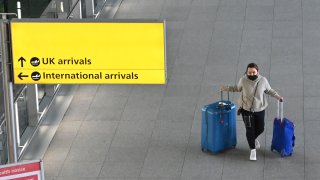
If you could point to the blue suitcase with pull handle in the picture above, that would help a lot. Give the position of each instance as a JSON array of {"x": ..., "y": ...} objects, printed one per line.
[
  {"x": 218, "y": 126},
  {"x": 283, "y": 139}
]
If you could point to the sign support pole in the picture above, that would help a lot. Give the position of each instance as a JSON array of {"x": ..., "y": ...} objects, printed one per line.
[{"x": 8, "y": 94}]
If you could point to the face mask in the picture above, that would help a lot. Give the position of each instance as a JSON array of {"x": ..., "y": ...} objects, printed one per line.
[{"x": 252, "y": 77}]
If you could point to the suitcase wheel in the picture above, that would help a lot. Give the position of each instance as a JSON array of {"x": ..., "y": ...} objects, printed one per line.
[
  {"x": 271, "y": 148},
  {"x": 283, "y": 153},
  {"x": 203, "y": 150}
]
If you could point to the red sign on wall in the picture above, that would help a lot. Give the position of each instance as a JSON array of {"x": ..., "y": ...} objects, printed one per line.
[{"x": 22, "y": 171}]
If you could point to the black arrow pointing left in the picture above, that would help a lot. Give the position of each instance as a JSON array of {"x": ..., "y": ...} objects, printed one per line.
[
  {"x": 21, "y": 76},
  {"x": 21, "y": 59}
]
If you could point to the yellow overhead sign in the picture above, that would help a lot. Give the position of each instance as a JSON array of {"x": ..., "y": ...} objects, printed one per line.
[{"x": 74, "y": 52}]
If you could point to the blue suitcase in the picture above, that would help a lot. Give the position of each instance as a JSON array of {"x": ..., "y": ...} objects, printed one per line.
[
  {"x": 283, "y": 139},
  {"x": 218, "y": 130}
]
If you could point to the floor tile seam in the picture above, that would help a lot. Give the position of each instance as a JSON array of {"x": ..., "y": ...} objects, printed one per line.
[
  {"x": 69, "y": 150},
  {"x": 163, "y": 95},
  {"x": 70, "y": 107},
  {"x": 89, "y": 108},
  {"x": 73, "y": 140},
  {"x": 237, "y": 72},
  {"x": 269, "y": 74},
  {"x": 189, "y": 137},
  {"x": 177, "y": 56},
  {"x": 286, "y": 38},
  {"x": 241, "y": 42},
  {"x": 116, "y": 13},
  {"x": 60, "y": 171},
  {"x": 303, "y": 91},
  {"x": 197, "y": 105},
  {"x": 154, "y": 125},
  {"x": 222, "y": 170},
  {"x": 115, "y": 132},
  {"x": 200, "y": 89},
  {"x": 309, "y": 96},
  {"x": 301, "y": 66},
  {"x": 239, "y": 51},
  {"x": 153, "y": 129},
  {"x": 307, "y": 121},
  {"x": 162, "y": 99}
]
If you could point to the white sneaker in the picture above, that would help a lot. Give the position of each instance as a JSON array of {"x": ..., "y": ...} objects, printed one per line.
[
  {"x": 257, "y": 144},
  {"x": 253, "y": 155}
]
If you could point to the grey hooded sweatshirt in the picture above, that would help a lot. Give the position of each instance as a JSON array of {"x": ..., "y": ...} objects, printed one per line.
[{"x": 247, "y": 88}]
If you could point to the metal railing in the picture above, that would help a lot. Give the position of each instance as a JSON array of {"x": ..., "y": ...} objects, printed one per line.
[
  {"x": 29, "y": 104},
  {"x": 62, "y": 9}
]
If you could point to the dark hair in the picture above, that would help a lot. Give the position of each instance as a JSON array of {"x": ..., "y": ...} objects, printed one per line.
[{"x": 252, "y": 65}]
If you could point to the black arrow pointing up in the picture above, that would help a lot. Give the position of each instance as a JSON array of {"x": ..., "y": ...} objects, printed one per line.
[
  {"x": 21, "y": 76},
  {"x": 21, "y": 59}
]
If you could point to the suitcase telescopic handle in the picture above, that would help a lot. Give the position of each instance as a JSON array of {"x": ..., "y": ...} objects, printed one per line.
[
  {"x": 222, "y": 95},
  {"x": 280, "y": 109}
]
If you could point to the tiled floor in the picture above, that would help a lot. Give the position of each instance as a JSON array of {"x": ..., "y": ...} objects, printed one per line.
[{"x": 152, "y": 132}]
